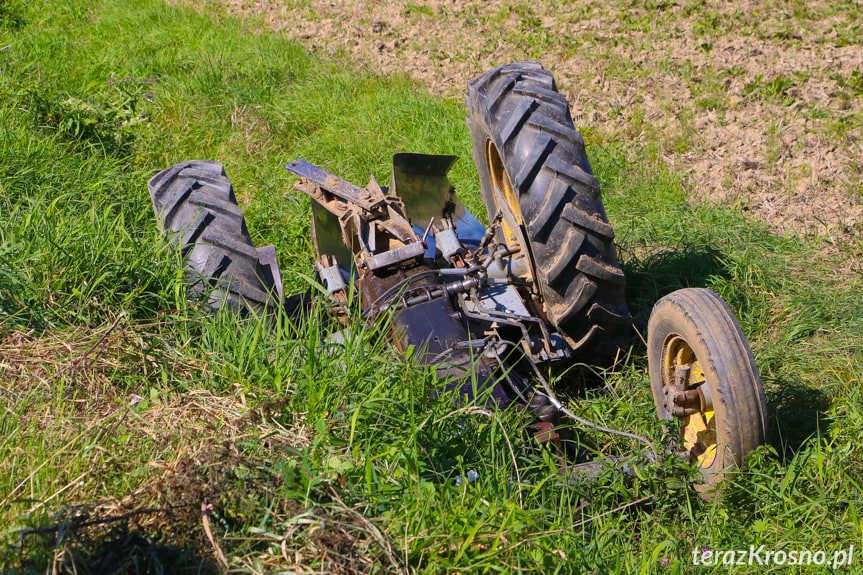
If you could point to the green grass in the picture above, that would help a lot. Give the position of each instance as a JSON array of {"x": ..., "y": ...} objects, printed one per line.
[{"x": 344, "y": 459}]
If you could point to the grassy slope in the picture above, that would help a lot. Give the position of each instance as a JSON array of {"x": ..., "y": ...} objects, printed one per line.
[{"x": 168, "y": 409}]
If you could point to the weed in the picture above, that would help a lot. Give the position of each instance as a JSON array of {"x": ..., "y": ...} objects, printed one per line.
[
  {"x": 852, "y": 82},
  {"x": 109, "y": 121},
  {"x": 750, "y": 87},
  {"x": 714, "y": 102},
  {"x": 417, "y": 10},
  {"x": 778, "y": 88}
]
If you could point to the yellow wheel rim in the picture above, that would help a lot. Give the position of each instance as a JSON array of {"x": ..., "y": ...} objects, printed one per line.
[
  {"x": 697, "y": 431},
  {"x": 505, "y": 198}
]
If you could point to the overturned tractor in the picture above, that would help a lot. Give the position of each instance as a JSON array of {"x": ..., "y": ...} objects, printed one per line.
[{"x": 487, "y": 305}]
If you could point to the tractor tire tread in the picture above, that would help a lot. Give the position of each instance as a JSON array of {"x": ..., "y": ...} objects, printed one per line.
[
  {"x": 197, "y": 209},
  {"x": 518, "y": 108}
]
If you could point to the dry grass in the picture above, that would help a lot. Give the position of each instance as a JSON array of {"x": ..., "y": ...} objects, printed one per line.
[{"x": 89, "y": 428}]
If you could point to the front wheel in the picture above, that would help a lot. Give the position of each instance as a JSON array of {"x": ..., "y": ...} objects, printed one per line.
[{"x": 703, "y": 374}]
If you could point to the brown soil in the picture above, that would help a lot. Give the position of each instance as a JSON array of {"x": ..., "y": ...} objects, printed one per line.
[{"x": 757, "y": 103}]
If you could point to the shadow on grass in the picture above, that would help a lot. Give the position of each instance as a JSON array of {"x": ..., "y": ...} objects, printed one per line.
[
  {"x": 797, "y": 412},
  {"x": 647, "y": 281},
  {"x": 121, "y": 549},
  {"x": 20, "y": 306},
  {"x": 651, "y": 278},
  {"x": 11, "y": 18}
]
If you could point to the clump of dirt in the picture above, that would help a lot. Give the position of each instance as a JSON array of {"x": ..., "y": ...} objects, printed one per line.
[{"x": 759, "y": 103}]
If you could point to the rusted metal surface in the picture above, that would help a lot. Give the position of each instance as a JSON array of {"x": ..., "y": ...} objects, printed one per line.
[
  {"x": 396, "y": 256},
  {"x": 366, "y": 232},
  {"x": 374, "y": 226},
  {"x": 681, "y": 400},
  {"x": 370, "y": 200}
]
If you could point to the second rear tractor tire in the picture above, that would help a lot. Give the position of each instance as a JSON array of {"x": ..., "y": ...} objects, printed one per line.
[
  {"x": 197, "y": 209},
  {"x": 534, "y": 171}
]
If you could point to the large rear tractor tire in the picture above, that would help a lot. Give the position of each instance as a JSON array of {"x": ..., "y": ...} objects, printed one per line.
[
  {"x": 703, "y": 374},
  {"x": 197, "y": 209},
  {"x": 535, "y": 173}
]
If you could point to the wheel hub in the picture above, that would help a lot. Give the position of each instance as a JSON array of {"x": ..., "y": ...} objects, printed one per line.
[
  {"x": 688, "y": 398},
  {"x": 507, "y": 205}
]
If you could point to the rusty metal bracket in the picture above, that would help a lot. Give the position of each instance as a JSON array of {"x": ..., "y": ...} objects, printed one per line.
[
  {"x": 682, "y": 399},
  {"x": 370, "y": 200},
  {"x": 373, "y": 224}
]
